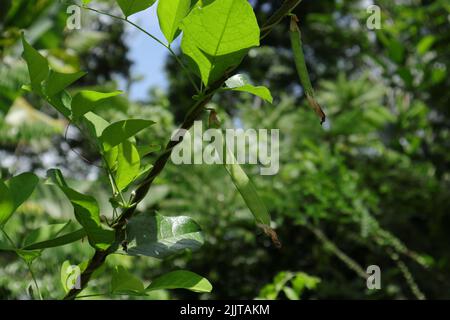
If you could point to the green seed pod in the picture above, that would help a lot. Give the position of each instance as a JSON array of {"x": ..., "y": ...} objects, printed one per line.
[{"x": 297, "y": 48}]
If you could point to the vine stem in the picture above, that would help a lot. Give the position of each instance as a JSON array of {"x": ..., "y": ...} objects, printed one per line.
[
  {"x": 341, "y": 255},
  {"x": 181, "y": 64},
  {"x": 35, "y": 281},
  {"x": 11, "y": 242},
  {"x": 139, "y": 194}
]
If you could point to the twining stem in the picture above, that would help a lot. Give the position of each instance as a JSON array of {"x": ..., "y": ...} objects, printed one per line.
[
  {"x": 352, "y": 264},
  {"x": 181, "y": 64},
  {"x": 285, "y": 9},
  {"x": 34, "y": 280},
  {"x": 407, "y": 275},
  {"x": 139, "y": 194},
  {"x": 116, "y": 190}
]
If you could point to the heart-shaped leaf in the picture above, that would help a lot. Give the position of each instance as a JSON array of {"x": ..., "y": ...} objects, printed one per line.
[
  {"x": 38, "y": 67},
  {"x": 120, "y": 131},
  {"x": 239, "y": 82},
  {"x": 158, "y": 236},
  {"x": 128, "y": 164},
  {"x": 170, "y": 15},
  {"x": 86, "y": 212},
  {"x": 15, "y": 192},
  {"x": 217, "y": 36},
  {"x": 85, "y": 101}
]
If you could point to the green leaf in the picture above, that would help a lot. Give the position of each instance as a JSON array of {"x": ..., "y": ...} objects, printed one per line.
[
  {"x": 85, "y": 101},
  {"x": 158, "y": 236},
  {"x": 57, "y": 82},
  {"x": 218, "y": 35},
  {"x": 21, "y": 187},
  {"x": 181, "y": 279},
  {"x": 28, "y": 256},
  {"x": 130, "y": 7},
  {"x": 239, "y": 82},
  {"x": 6, "y": 203},
  {"x": 209, "y": 68},
  {"x": 58, "y": 241},
  {"x": 425, "y": 44},
  {"x": 290, "y": 293},
  {"x": 111, "y": 157},
  {"x": 396, "y": 51},
  {"x": 86, "y": 212},
  {"x": 120, "y": 131},
  {"x": 96, "y": 124},
  {"x": 128, "y": 164},
  {"x": 5, "y": 244},
  {"x": 44, "y": 233},
  {"x": 170, "y": 15},
  {"x": 144, "y": 171},
  {"x": 61, "y": 102},
  {"x": 15, "y": 192},
  {"x": 123, "y": 282},
  {"x": 38, "y": 67},
  {"x": 222, "y": 27}
]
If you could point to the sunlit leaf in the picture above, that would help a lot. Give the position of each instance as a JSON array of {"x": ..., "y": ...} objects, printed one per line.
[
  {"x": 128, "y": 164},
  {"x": 130, "y": 7},
  {"x": 158, "y": 236},
  {"x": 120, "y": 131},
  {"x": 239, "y": 82},
  {"x": 170, "y": 15},
  {"x": 181, "y": 279},
  {"x": 222, "y": 27},
  {"x": 425, "y": 44},
  {"x": 123, "y": 282},
  {"x": 96, "y": 124},
  {"x": 217, "y": 36}
]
